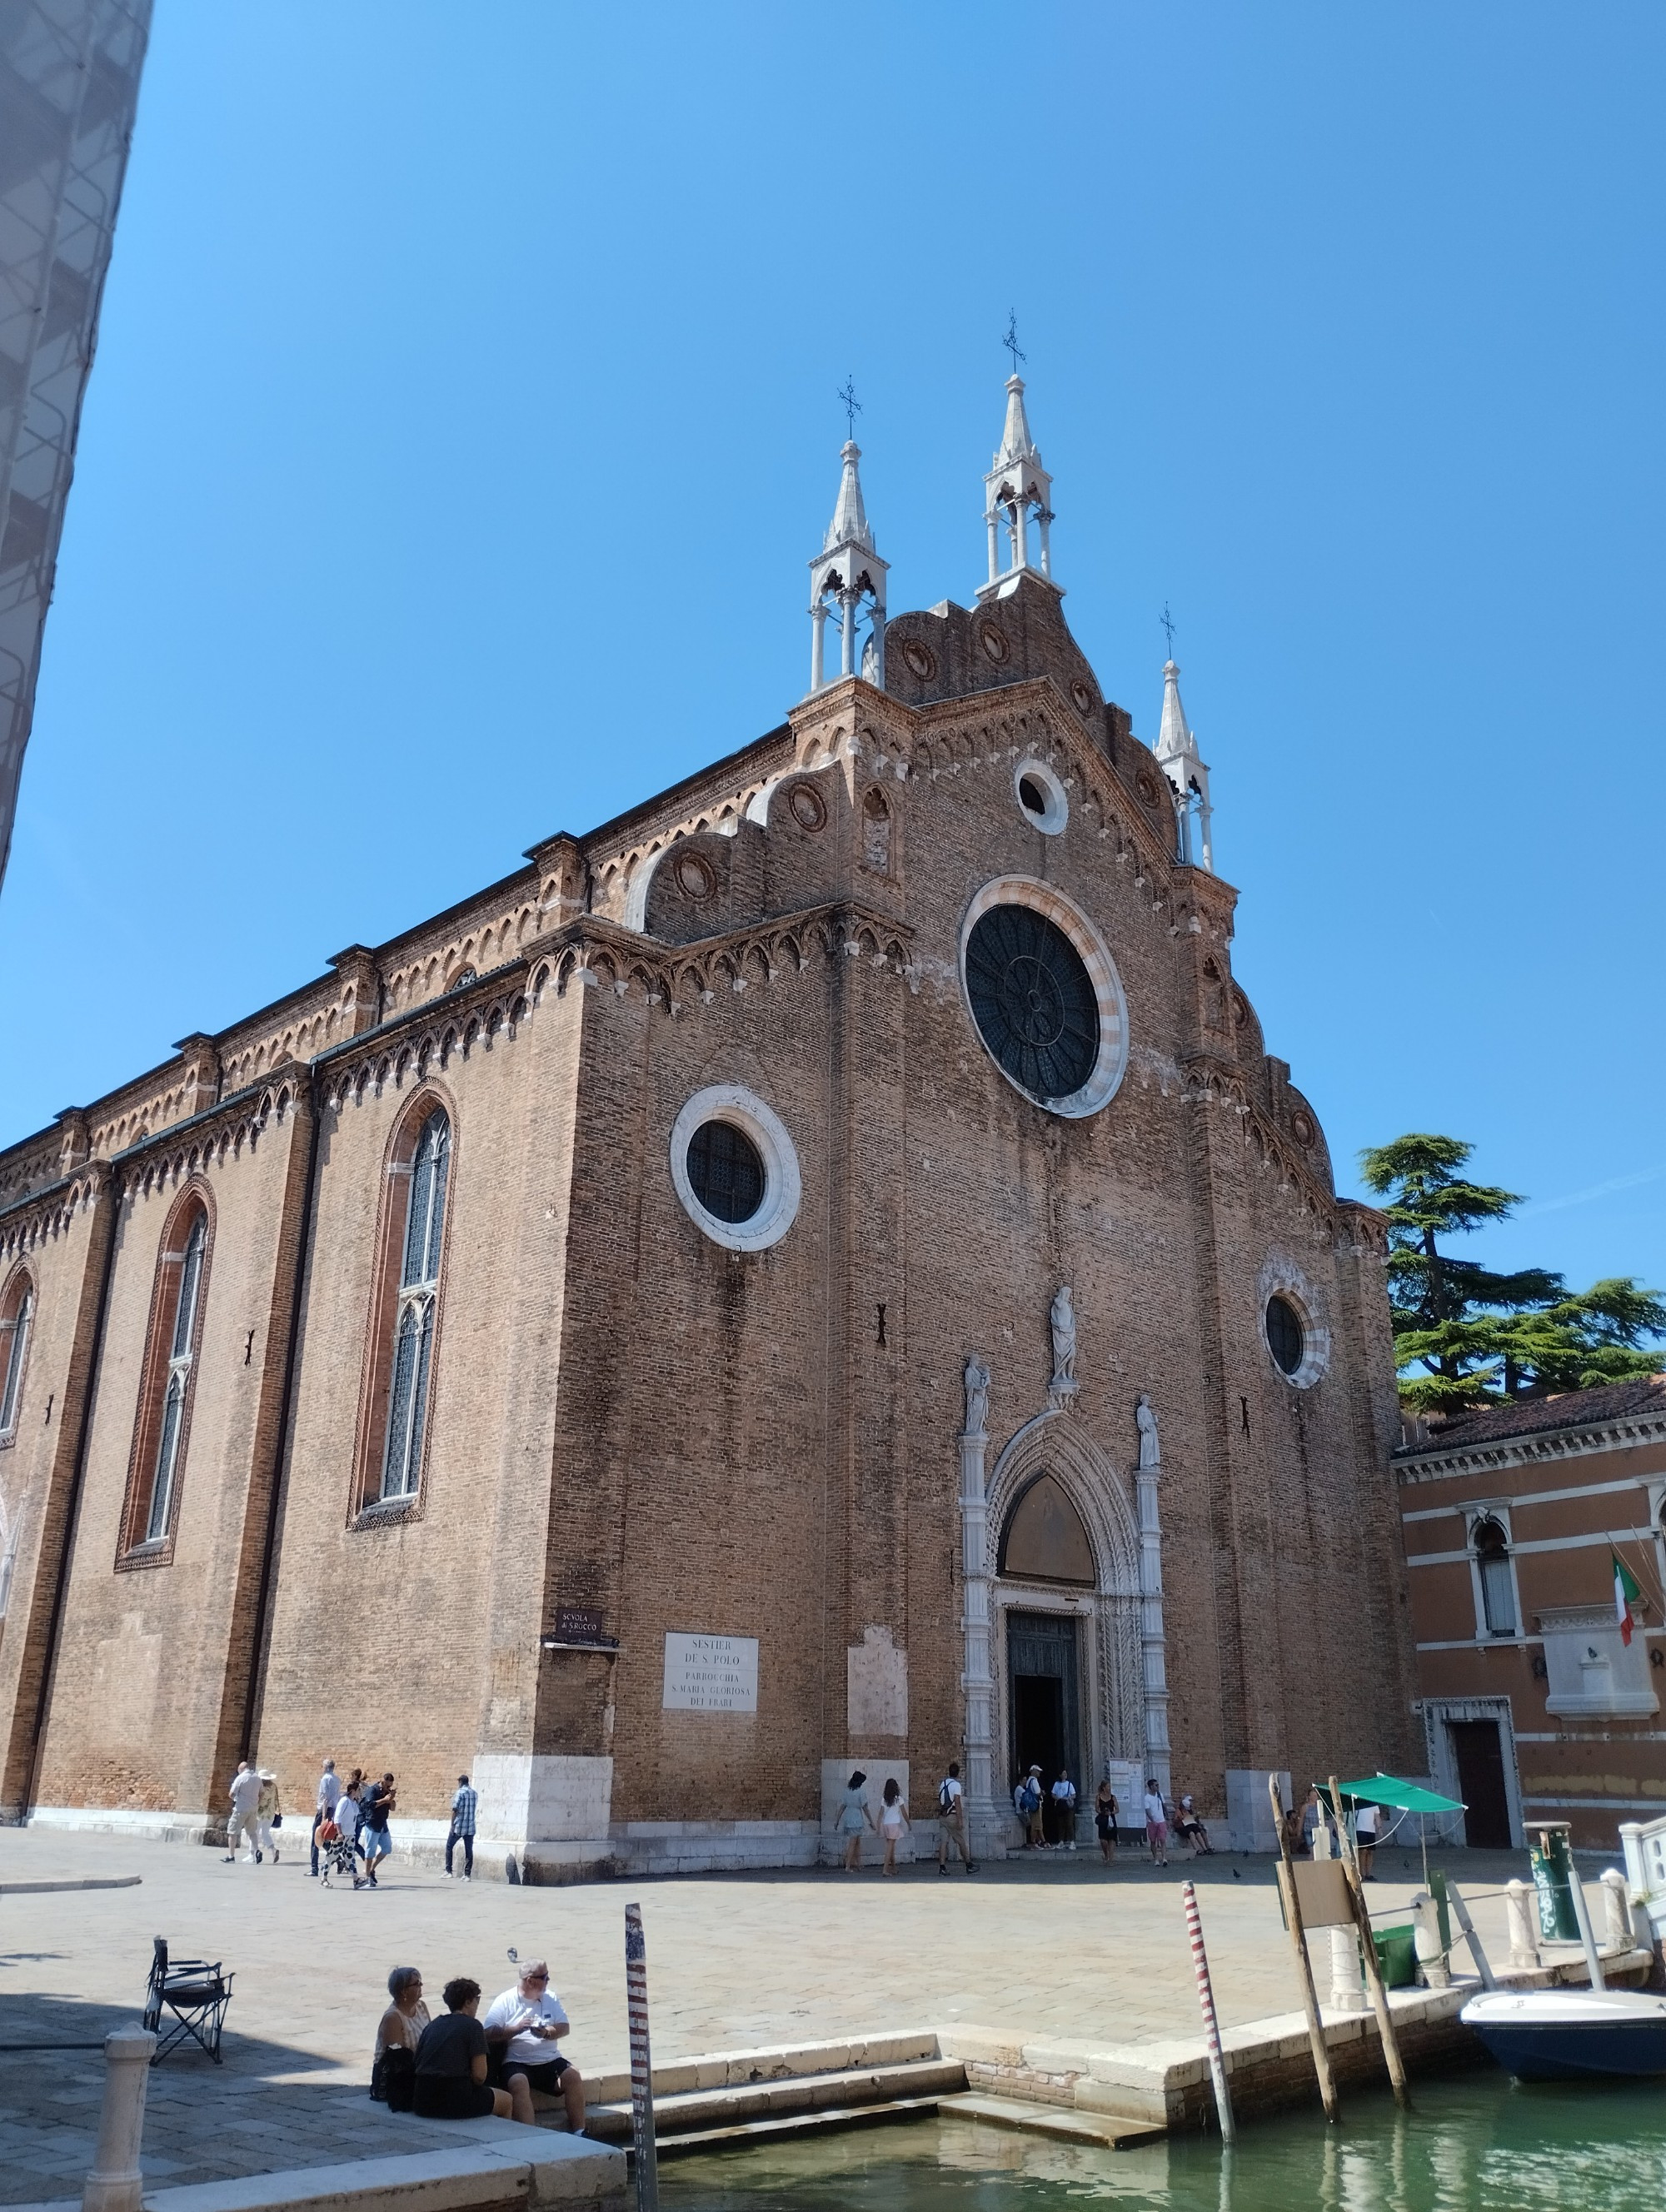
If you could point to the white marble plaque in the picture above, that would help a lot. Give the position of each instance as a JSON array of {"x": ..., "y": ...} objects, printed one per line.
[{"x": 711, "y": 1674}]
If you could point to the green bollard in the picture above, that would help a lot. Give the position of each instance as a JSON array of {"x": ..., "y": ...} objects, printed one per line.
[{"x": 1553, "y": 1878}]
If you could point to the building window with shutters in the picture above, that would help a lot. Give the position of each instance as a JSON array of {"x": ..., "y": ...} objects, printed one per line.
[
  {"x": 1496, "y": 1577},
  {"x": 168, "y": 1384},
  {"x": 405, "y": 1312},
  {"x": 16, "y": 1314}
]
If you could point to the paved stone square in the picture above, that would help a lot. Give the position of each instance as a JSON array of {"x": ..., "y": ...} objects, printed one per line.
[{"x": 1056, "y": 1949}]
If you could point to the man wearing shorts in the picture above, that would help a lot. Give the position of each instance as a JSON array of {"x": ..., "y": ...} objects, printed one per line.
[
  {"x": 521, "y": 2027},
  {"x": 1157, "y": 1823}
]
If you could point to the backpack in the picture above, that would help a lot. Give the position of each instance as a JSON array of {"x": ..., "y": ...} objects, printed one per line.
[
  {"x": 945, "y": 1800},
  {"x": 1030, "y": 1798},
  {"x": 393, "y": 2079}
]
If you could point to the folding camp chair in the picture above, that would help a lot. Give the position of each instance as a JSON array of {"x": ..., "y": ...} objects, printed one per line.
[{"x": 195, "y": 1992}]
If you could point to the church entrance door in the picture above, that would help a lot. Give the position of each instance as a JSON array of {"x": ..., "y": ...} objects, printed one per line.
[{"x": 1044, "y": 1704}]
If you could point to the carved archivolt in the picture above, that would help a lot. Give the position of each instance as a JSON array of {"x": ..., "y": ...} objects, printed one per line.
[{"x": 1054, "y": 1443}]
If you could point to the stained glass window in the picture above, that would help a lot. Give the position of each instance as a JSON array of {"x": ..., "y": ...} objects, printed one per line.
[
  {"x": 182, "y": 1341},
  {"x": 14, "y": 1350},
  {"x": 413, "y": 1326}
]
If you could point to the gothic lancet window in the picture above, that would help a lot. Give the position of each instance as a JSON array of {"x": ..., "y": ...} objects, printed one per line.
[
  {"x": 417, "y": 1308},
  {"x": 16, "y": 1312},
  {"x": 163, "y": 1433}
]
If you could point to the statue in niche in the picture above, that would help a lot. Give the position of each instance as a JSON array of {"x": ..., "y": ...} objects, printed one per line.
[
  {"x": 1151, "y": 1451},
  {"x": 1062, "y": 1317},
  {"x": 977, "y": 1397}
]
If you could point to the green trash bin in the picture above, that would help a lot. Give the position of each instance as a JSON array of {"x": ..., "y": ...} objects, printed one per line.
[
  {"x": 1553, "y": 1880},
  {"x": 1396, "y": 1957}
]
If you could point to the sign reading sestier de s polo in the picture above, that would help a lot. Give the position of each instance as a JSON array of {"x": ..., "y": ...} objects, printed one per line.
[{"x": 710, "y": 1674}]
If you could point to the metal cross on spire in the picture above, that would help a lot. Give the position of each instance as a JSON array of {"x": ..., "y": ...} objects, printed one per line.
[
  {"x": 1010, "y": 340},
  {"x": 1167, "y": 620},
  {"x": 852, "y": 405}
]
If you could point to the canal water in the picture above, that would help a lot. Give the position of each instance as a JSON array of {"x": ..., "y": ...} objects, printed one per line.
[{"x": 1478, "y": 2142}]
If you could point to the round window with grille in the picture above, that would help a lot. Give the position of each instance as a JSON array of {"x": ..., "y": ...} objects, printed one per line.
[
  {"x": 734, "y": 1168},
  {"x": 726, "y": 1170},
  {"x": 1286, "y": 1339},
  {"x": 1033, "y": 1000}
]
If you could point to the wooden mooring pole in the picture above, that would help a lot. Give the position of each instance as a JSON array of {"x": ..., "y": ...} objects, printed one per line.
[
  {"x": 1205, "y": 1997},
  {"x": 1292, "y": 1913},
  {"x": 1379, "y": 1996},
  {"x": 642, "y": 2065}
]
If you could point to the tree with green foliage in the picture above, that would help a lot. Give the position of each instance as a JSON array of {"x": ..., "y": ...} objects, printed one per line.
[{"x": 1465, "y": 1336}]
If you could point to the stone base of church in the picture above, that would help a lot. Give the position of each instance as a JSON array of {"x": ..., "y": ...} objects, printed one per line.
[{"x": 157, "y": 1827}]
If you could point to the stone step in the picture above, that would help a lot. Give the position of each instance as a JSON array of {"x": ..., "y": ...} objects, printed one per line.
[
  {"x": 792, "y": 2095},
  {"x": 786, "y": 2127},
  {"x": 1057, "y": 2121}
]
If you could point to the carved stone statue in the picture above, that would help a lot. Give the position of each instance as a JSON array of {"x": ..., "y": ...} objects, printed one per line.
[
  {"x": 1063, "y": 1318},
  {"x": 1151, "y": 1451},
  {"x": 977, "y": 1397}
]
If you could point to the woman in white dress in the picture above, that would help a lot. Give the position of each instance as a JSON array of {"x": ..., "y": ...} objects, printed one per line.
[{"x": 893, "y": 1822}]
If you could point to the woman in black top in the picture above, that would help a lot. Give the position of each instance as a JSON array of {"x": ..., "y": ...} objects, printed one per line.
[{"x": 451, "y": 2063}]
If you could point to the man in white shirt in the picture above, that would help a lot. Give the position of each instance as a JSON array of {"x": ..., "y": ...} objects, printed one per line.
[
  {"x": 1064, "y": 1812},
  {"x": 1365, "y": 1838},
  {"x": 521, "y": 2027},
  {"x": 244, "y": 1797},
  {"x": 329, "y": 1796},
  {"x": 951, "y": 1819},
  {"x": 1157, "y": 1823}
]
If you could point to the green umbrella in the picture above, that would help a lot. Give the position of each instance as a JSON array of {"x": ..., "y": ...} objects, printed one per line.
[{"x": 1403, "y": 1797}]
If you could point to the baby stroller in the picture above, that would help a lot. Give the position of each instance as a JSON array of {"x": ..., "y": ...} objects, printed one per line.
[{"x": 339, "y": 1854}]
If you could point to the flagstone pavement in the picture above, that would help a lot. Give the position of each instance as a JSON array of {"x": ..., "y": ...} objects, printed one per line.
[{"x": 1055, "y": 1948}]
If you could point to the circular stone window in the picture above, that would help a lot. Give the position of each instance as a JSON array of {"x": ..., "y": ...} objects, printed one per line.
[
  {"x": 1042, "y": 796},
  {"x": 993, "y": 639},
  {"x": 1082, "y": 697},
  {"x": 1286, "y": 1339},
  {"x": 734, "y": 1167},
  {"x": 920, "y": 660},
  {"x": 695, "y": 876},
  {"x": 1297, "y": 1340},
  {"x": 1044, "y": 996}
]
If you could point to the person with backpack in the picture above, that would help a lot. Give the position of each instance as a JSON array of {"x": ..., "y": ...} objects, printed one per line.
[
  {"x": 399, "y": 2030},
  {"x": 951, "y": 1819},
  {"x": 1027, "y": 1798}
]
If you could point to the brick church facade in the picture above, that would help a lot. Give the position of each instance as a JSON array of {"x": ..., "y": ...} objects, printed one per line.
[{"x": 820, "y": 1271}]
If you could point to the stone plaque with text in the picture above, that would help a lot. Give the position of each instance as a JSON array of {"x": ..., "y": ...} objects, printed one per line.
[{"x": 711, "y": 1674}]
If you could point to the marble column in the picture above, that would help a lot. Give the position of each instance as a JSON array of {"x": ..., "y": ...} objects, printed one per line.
[
  {"x": 1153, "y": 1643},
  {"x": 984, "y": 1825}
]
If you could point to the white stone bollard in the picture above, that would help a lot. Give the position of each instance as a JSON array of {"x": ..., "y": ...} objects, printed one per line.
[
  {"x": 1347, "y": 1980},
  {"x": 1431, "y": 1959},
  {"x": 1520, "y": 1906},
  {"x": 115, "y": 2183},
  {"x": 1617, "y": 1912}
]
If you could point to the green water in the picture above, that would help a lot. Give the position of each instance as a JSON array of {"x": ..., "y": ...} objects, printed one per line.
[{"x": 1476, "y": 2143}]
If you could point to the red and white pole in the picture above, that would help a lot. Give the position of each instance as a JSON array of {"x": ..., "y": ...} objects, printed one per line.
[
  {"x": 1205, "y": 1997},
  {"x": 642, "y": 2065}
]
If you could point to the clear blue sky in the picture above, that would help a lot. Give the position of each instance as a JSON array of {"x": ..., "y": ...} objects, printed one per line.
[{"x": 465, "y": 417}]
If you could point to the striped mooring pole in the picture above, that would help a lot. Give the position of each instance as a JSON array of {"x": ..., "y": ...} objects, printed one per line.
[
  {"x": 1205, "y": 1997},
  {"x": 642, "y": 2065}
]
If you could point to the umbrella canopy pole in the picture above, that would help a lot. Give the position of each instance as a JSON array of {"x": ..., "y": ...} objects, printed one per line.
[{"x": 1379, "y": 1996}]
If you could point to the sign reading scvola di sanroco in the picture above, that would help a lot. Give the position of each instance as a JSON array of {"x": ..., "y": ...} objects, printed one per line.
[{"x": 711, "y": 1674}]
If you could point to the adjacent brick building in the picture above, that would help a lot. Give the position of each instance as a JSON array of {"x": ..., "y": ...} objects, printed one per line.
[
  {"x": 674, "y": 1327},
  {"x": 1535, "y": 1705}
]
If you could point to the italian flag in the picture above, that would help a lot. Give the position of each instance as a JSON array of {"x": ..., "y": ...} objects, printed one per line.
[{"x": 1626, "y": 1596}]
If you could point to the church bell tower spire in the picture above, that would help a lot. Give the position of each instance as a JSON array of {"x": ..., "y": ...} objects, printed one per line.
[
  {"x": 1018, "y": 491},
  {"x": 847, "y": 572},
  {"x": 1178, "y": 758}
]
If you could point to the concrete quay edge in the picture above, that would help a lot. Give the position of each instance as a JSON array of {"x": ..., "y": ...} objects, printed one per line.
[{"x": 497, "y": 2163}]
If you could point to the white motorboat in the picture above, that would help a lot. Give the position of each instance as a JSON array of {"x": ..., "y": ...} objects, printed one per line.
[{"x": 1559, "y": 2035}]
